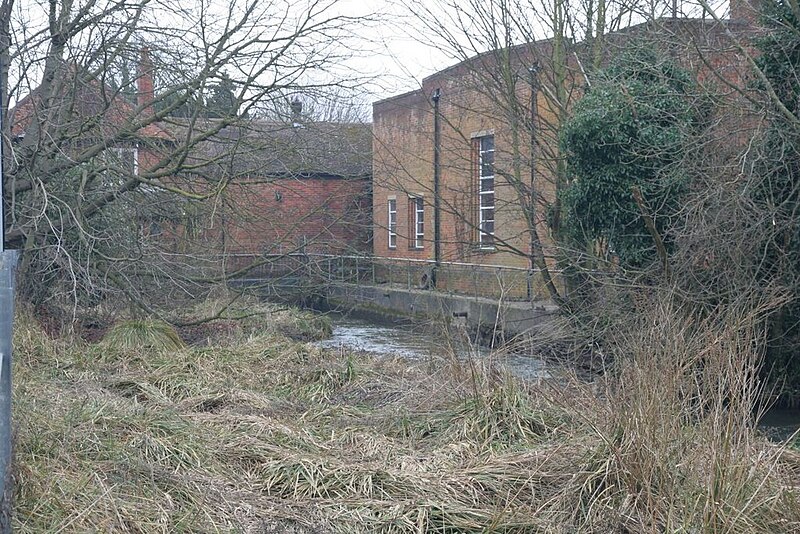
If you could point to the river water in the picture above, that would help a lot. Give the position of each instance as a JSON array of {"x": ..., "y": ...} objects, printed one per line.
[{"x": 418, "y": 343}]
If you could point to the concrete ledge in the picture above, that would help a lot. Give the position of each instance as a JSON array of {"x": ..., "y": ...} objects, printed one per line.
[{"x": 513, "y": 318}]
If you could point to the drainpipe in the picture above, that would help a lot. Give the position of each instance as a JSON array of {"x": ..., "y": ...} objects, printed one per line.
[
  {"x": 437, "y": 148},
  {"x": 537, "y": 258},
  {"x": 533, "y": 71}
]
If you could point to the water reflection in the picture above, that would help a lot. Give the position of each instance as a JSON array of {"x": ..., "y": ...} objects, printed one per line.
[{"x": 780, "y": 423}]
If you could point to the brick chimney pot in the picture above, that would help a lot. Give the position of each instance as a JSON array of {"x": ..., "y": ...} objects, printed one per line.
[{"x": 146, "y": 93}]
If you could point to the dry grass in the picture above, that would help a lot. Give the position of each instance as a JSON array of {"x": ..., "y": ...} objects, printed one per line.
[
  {"x": 258, "y": 433},
  {"x": 236, "y": 314},
  {"x": 142, "y": 333}
]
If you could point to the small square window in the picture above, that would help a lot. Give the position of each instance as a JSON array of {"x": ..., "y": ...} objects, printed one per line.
[{"x": 122, "y": 162}]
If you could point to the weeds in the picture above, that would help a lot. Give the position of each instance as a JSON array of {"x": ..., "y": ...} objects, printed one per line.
[
  {"x": 139, "y": 334},
  {"x": 253, "y": 432}
]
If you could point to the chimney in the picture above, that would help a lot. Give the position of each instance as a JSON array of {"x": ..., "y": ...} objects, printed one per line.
[
  {"x": 746, "y": 11},
  {"x": 297, "y": 113},
  {"x": 144, "y": 83}
]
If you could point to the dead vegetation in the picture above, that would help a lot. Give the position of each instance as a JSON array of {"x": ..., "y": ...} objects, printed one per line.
[{"x": 254, "y": 432}]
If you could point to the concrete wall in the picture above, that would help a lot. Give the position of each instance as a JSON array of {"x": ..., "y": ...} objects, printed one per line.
[{"x": 477, "y": 313}]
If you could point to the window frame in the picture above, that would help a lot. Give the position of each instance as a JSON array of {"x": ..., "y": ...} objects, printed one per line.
[
  {"x": 486, "y": 239},
  {"x": 416, "y": 204},
  {"x": 120, "y": 151},
  {"x": 391, "y": 225}
]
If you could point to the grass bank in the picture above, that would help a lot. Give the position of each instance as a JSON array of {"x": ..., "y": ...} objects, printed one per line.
[{"x": 251, "y": 431}]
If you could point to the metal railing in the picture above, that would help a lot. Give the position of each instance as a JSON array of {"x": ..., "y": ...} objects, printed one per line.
[{"x": 313, "y": 270}]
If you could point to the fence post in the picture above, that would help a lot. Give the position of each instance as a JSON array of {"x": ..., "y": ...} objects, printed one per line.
[
  {"x": 8, "y": 264},
  {"x": 529, "y": 284},
  {"x": 474, "y": 281}
]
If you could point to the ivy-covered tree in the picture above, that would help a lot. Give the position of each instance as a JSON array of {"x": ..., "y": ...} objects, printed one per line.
[
  {"x": 778, "y": 189},
  {"x": 624, "y": 143}
]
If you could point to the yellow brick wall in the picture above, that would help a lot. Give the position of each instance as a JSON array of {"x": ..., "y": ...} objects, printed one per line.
[{"x": 403, "y": 165}]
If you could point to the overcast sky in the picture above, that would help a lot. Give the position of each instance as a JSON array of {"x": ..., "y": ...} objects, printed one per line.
[
  {"x": 392, "y": 52},
  {"x": 395, "y": 60},
  {"x": 398, "y": 52}
]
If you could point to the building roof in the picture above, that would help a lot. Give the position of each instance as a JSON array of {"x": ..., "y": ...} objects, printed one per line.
[
  {"x": 252, "y": 149},
  {"x": 704, "y": 32},
  {"x": 83, "y": 107},
  {"x": 255, "y": 149}
]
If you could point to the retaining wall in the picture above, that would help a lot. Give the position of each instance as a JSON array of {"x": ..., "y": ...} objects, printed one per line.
[{"x": 512, "y": 318}]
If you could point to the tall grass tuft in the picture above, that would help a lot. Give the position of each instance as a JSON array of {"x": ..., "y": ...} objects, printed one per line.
[
  {"x": 674, "y": 445},
  {"x": 137, "y": 334}
]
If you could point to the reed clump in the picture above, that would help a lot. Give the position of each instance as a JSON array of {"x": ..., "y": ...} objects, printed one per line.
[
  {"x": 232, "y": 315},
  {"x": 254, "y": 432},
  {"x": 142, "y": 334}
]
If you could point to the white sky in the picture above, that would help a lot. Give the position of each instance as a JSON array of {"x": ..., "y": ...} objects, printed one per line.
[
  {"x": 385, "y": 57},
  {"x": 392, "y": 52},
  {"x": 391, "y": 58},
  {"x": 398, "y": 58}
]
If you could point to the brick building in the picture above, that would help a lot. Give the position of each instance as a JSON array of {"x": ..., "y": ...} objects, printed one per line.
[
  {"x": 81, "y": 115},
  {"x": 239, "y": 186},
  {"x": 289, "y": 186},
  {"x": 476, "y": 148},
  {"x": 481, "y": 180},
  {"x": 76, "y": 135}
]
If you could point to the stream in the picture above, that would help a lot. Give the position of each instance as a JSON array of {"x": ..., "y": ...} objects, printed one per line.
[{"x": 418, "y": 343}]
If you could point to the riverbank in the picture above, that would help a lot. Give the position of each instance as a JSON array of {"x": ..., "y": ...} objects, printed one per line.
[{"x": 251, "y": 431}]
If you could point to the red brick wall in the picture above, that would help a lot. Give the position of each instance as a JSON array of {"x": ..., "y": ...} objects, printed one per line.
[{"x": 328, "y": 215}]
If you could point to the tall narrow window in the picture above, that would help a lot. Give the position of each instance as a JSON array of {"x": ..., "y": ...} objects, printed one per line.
[
  {"x": 392, "y": 223},
  {"x": 486, "y": 191},
  {"x": 417, "y": 212}
]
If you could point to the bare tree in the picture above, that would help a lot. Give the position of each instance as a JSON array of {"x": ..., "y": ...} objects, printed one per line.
[{"x": 93, "y": 154}]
